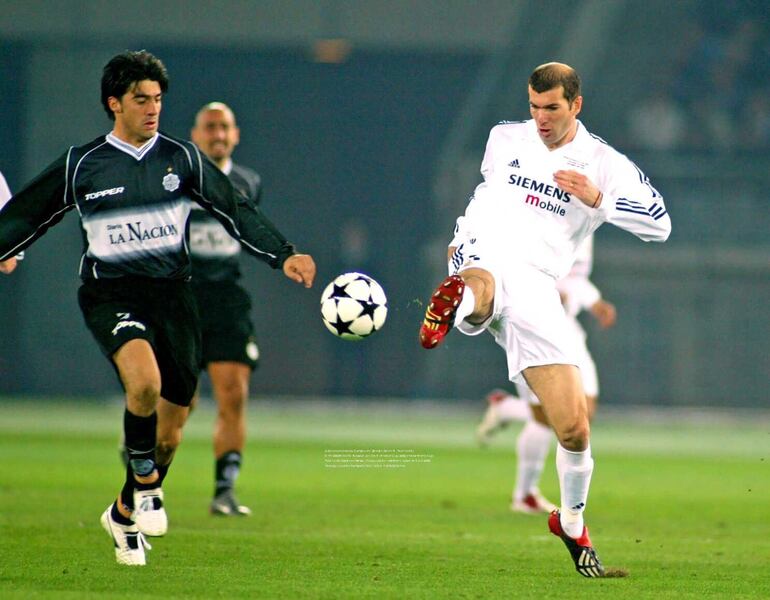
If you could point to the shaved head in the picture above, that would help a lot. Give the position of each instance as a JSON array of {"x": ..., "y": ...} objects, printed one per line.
[
  {"x": 216, "y": 132},
  {"x": 215, "y": 106}
]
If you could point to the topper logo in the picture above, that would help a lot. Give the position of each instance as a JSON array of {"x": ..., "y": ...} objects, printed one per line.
[{"x": 102, "y": 193}]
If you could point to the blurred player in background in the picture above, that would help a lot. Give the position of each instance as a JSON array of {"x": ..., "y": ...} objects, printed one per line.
[
  {"x": 132, "y": 189},
  {"x": 7, "y": 266},
  {"x": 548, "y": 184},
  {"x": 229, "y": 349},
  {"x": 577, "y": 293}
]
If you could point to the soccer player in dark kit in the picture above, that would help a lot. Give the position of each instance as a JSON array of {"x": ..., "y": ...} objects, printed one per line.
[
  {"x": 132, "y": 189},
  {"x": 230, "y": 350}
]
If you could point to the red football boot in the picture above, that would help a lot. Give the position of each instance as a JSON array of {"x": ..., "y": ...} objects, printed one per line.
[
  {"x": 581, "y": 549},
  {"x": 440, "y": 315}
]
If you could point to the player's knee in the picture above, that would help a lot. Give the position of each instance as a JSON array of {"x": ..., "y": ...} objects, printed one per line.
[
  {"x": 231, "y": 408},
  {"x": 575, "y": 435},
  {"x": 143, "y": 395},
  {"x": 482, "y": 282},
  {"x": 231, "y": 395}
]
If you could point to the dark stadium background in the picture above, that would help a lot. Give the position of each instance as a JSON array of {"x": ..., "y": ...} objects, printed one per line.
[{"x": 390, "y": 140}]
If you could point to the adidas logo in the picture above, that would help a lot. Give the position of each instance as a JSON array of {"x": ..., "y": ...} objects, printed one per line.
[{"x": 514, "y": 163}]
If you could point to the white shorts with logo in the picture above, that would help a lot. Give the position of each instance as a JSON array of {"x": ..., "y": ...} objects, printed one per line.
[{"x": 528, "y": 320}]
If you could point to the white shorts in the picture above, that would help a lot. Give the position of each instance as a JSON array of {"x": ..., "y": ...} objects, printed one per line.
[
  {"x": 528, "y": 320},
  {"x": 586, "y": 365}
]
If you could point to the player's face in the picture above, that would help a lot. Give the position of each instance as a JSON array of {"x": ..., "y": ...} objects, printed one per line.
[
  {"x": 554, "y": 116},
  {"x": 137, "y": 112},
  {"x": 216, "y": 134}
]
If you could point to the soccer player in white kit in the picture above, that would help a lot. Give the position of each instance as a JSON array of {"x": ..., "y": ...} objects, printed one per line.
[
  {"x": 578, "y": 294},
  {"x": 548, "y": 184}
]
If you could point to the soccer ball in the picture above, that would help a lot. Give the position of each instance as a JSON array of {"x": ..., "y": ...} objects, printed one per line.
[{"x": 353, "y": 306}]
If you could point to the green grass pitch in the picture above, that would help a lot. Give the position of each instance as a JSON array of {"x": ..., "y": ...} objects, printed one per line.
[{"x": 685, "y": 507}]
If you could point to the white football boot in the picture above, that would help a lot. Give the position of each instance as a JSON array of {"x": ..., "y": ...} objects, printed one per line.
[
  {"x": 149, "y": 515},
  {"x": 129, "y": 541}
]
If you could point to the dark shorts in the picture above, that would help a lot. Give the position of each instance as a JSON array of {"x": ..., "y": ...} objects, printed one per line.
[
  {"x": 226, "y": 327},
  {"x": 163, "y": 312}
]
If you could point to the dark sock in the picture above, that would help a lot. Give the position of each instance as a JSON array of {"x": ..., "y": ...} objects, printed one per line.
[
  {"x": 117, "y": 517},
  {"x": 127, "y": 493},
  {"x": 140, "y": 436},
  {"x": 226, "y": 471},
  {"x": 162, "y": 472}
]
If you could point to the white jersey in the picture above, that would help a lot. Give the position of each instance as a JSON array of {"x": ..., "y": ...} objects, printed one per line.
[
  {"x": 5, "y": 192},
  {"x": 5, "y": 195},
  {"x": 519, "y": 210},
  {"x": 577, "y": 291}
]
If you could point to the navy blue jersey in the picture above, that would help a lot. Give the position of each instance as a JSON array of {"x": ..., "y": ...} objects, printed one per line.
[
  {"x": 134, "y": 205},
  {"x": 214, "y": 253}
]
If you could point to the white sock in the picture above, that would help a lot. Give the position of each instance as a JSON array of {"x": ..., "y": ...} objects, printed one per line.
[
  {"x": 513, "y": 409},
  {"x": 467, "y": 304},
  {"x": 574, "y": 469},
  {"x": 531, "y": 451}
]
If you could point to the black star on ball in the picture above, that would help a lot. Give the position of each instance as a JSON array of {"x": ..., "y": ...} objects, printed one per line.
[
  {"x": 341, "y": 326},
  {"x": 340, "y": 291},
  {"x": 368, "y": 308}
]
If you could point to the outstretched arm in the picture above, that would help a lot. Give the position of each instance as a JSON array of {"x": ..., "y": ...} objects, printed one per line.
[
  {"x": 214, "y": 191},
  {"x": 33, "y": 210}
]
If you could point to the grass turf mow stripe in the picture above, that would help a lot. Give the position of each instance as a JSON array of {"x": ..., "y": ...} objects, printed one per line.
[{"x": 680, "y": 503}]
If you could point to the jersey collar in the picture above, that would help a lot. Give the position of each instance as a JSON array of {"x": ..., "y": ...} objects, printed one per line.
[
  {"x": 580, "y": 135},
  {"x": 137, "y": 153},
  {"x": 228, "y": 166}
]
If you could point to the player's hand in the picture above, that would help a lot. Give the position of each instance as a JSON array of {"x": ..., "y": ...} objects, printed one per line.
[
  {"x": 605, "y": 313},
  {"x": 8, "y": 266},
  {"x": 578, "y": 185},
  {"x": 300, "y": 268}
]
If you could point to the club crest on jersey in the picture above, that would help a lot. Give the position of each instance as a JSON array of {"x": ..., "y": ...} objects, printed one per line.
[
  {"x": 171, "y": 182},
  {"x": 574, "y": 162}
]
